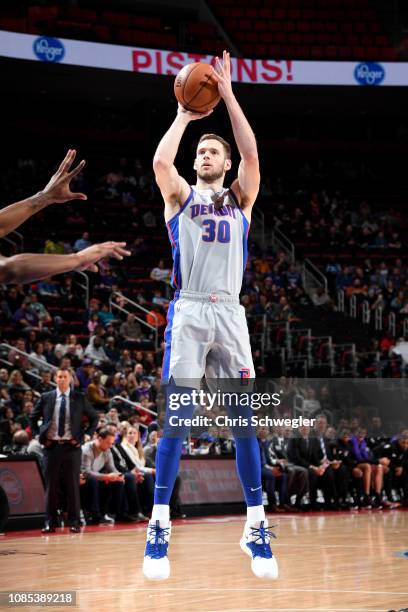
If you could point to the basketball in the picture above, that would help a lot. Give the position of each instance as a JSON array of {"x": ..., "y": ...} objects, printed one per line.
[{"x": 196, "y": 89}]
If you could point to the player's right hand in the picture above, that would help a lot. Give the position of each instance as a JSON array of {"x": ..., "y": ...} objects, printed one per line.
[
  {"x": 190, "y": 115},
  {"x": 90, "y": 256}
]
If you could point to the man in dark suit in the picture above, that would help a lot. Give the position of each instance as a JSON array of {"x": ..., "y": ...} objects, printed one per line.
[
  {"x": 62, "y": 434},
  {"x": 307, "y": 452},
  {"x": 298, "y": 476}
]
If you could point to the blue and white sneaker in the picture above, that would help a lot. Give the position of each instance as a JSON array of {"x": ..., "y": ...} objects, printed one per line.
[
  {"x": 156, "y": 565},
  {"x": 255, "y": 542}
]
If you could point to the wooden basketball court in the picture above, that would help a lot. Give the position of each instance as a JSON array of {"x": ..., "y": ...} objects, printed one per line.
[{"x": 328, "y": 562}]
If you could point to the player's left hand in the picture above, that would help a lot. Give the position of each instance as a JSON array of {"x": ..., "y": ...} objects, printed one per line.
[
  {"x": 58, "y": 189},
  {"x": 222, "y": 74}
]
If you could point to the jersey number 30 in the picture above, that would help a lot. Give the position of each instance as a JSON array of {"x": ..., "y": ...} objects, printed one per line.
[{"x": 220, "y": 231}]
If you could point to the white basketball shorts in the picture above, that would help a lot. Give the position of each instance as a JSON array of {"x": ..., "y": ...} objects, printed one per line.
[{"x": 206, "y": 335}]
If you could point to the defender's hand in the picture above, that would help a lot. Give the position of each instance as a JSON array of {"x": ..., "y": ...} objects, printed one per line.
[
  {"x": 58, "y": 189},
  {"x": 90, "y": 256}
]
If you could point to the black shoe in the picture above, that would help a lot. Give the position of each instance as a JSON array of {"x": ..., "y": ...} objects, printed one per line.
[
  {"x": 75, "y": 529},
  {"x": 94, "y": 519},
  {"x": 290, "y": 508},
  {"x": 48, "y": 529},
  {"x": 274, "y": 508},
  {"x": 127, "y": 518},
  {"x": 376, "y": 502},
  {"x": 387, "y": 505},
  {"x": 177, "y": 515},
  {"x": 365, "y": 503}
]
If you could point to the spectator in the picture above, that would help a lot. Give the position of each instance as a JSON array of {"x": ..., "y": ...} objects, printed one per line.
[
  {"x": 113, "y": 417},
  {"x": 401, "y": 349},
  {"x": 149, "y": 219},
  {"x": 16, "y": 380},
  {"x": 160, "y": 273},
  {"x": 26, "y": 318},
  {"x": 105, "y": 315},
  {"x": 298, "y": 478},
  {"x": 130, "y": 330},
  {"x": 132, "y": 478},
  {"x": 273, "y": 476},
  {"x": 321, "y": 298},
  {"x": 16, "y": 358},
  {"x": 156, "y": 318},
  {"x": 82, "y": 243},
  {"x": 96, "y": 393},
  {"x": 397, "y": 453},
  {"x": 19, "y": 445},
  {"x": 38, "y": 354},
  {"x": 40, "y": 310},
  {"x": 112, "y": 352},
  {"x": 85, "y": 373},
  {"x": 93, "y": 323},
  {"x": 132, "y": 451},
  {"x": 24, "y": 417},
  {"x": 95, "y": 351},
  {"x": 14, "y": 298},
  {"x": 372, "y": 469},
  {"x": 48, "y": 287},
  {"x": 306, "y": 452},
  {"x": 53, "y": 246},
  {"x": 104, "y": 484}
]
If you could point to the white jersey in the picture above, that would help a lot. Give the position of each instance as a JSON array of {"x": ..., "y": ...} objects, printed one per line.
[{"x": 209, "y": 237}]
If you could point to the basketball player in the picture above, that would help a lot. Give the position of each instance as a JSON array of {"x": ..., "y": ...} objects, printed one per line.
[
  {"x": 29, "y": 267},
  {"x": 207, "y": 331}
]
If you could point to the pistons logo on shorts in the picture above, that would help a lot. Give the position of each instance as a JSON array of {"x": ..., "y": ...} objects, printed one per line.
[{"x": 244, "y": 373}]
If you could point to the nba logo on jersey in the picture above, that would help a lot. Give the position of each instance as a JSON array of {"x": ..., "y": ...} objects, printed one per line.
[{"x": 245, "y": 373}]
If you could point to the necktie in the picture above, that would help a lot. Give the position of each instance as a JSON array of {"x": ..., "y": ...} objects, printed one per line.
[
  {"x": 61, "y": 419},
  {"x": 323, "y": 447}
]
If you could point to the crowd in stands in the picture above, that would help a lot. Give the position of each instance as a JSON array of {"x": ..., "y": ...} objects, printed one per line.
[
  {"x": 370, "y": 239},
  {"x": 352, "y": 466}
]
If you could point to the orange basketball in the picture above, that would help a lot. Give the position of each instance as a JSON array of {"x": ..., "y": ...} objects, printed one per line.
[{"x": 196, "y": 89}]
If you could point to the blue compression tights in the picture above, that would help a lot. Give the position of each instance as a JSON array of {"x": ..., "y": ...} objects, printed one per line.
[{"x": 247, "y": 457}]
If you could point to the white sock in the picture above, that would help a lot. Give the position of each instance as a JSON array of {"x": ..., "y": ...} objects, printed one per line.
[
  {"x": 255, "y": 514},
  {"x": 161, "y": 512}
]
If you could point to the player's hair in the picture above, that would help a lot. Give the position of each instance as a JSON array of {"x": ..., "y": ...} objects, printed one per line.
[{"x": 225, "y": 144}]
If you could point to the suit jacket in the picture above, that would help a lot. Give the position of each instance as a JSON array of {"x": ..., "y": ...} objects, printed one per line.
[
  {"x": 78, "y": 408},
  {"x": 304, "y": 454},
  {"x": 280, "y": 450},
  {"x": 129, "y": 463}
]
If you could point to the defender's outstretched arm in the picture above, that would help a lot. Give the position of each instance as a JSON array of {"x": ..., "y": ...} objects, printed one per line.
[
  {"x": 56, "y": 191},
  {"x": 29, "y": 267}
]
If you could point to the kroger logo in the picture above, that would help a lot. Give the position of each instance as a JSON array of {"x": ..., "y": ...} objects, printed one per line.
[
  {"x": 369, "y": 74},
  {"x": 48, "y": 49}
]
